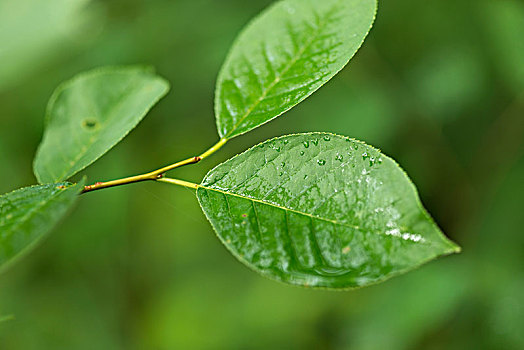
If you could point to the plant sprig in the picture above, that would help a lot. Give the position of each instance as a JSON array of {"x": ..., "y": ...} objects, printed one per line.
[{"x": 314, "y": 209}]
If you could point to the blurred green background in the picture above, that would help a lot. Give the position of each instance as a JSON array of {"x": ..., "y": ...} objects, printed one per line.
[{"x": 438, "y": 85}]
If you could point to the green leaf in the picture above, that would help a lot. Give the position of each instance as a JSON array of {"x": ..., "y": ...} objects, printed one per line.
[
  {"x": 91, "y": 113},
  {"x": 320, "y": 210},
  {"x": 27, "y": 214},
  {"x": 285, "y": 55}
]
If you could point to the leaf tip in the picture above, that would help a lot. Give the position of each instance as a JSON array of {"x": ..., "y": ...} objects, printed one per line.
[{"x": 455, "y": 249}]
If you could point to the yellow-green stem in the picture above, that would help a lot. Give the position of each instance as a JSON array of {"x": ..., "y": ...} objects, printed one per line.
[
  {"x": 158, "y": 175},
  {"x": 178, "y": 182},
  {"x": 213, "y": 148}
]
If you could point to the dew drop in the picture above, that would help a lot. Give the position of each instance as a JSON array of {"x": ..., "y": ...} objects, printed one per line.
[
  {"x": 339, "y": 157},
  {"x": 327, "y": 138},
  {"x": 306, "y": 144},
  {"x": 302, "y": 153},
  {"x": 364, "y": 155},
  {"x": 290, "y": 10},
  {"x": 315, "y": 141},
  {"x": 281, "y": 173},
  {"x": 286, "y": 142},
  {"x": 321, "y": 162},
  {"x": 282, "y": 164},
  {"x": 277, "y": 149},
  {"x": 305, "y": 177}
]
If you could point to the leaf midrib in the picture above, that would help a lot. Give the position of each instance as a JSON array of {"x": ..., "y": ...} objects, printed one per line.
[{"x": 334, "y": 222}]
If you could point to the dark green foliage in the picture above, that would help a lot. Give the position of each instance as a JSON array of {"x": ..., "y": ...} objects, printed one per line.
[{"x": 27, "y": 214}]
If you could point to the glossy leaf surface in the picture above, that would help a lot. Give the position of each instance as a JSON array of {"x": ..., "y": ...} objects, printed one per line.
[
  {"x": 91, "y": 113},
  {"x": 27, "y": 214},
  {"x": 320, "y": 210},
  {"x": 284, "y": 55}
]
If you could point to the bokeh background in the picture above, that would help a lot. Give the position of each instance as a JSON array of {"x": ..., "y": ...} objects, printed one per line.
[{"x": 438, "y": 85}]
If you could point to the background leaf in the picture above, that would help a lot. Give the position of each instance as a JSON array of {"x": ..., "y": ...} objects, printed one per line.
[
  {"x": 91, "y": 113},
  {"x": 320, "y": 210},
  {"x": 284, "y": 55},
  {"x": 27, "y": 214},
  {"x": 505, "y": 28},
  {"x": 47, "y": 26}
]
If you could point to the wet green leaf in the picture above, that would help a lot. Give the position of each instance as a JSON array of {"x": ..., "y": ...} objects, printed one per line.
[
  {"x": 28, "y": 214},
  {"x": 285, "y": 55},
  {"x": 320, "y": 210},
  {"x": 91, "y": 113}
]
